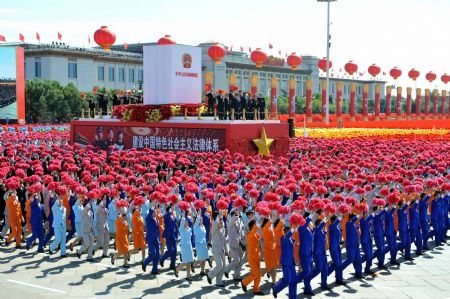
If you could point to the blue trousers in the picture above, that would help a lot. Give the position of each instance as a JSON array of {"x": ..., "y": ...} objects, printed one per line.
[
  {"x": 416, "y": 236},
  {"x": 289, "y": 279},
  {"x": 171, "y": 251},
  {"x": 336, "y": 258},
  {"x": 60, "y": 239},
  {"x": 72, "y": 230},
  {"x": 321, "y": 266},
  {"x": 425, "y": 229},
  {"x": 392, "y": 247},
  {"x": 405, "y": 243},
  {"x": 436, "y": 230},
  {"x": 380, "y": 252},
  {"x": 354, "y": 257},
  {"x": 37, "y": 232},
  {"x": 305, "y": 275},
  {"x": 368, "y": 255},
  {"x": 50, "y": 233},
  {"x": 153, "y": 256}
]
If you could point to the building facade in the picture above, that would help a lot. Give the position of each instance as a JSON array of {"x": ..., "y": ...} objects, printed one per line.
[{"x": 122, "y": 68}]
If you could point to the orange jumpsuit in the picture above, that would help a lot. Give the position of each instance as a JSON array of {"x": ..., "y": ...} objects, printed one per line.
[
  {"x": 161, "y": 227},
  {"x": 122, "y": 235},
  {"x": 15, "y": 220},
  {"x": 28, "y": 214},
  {"x": 138, "y": 230},
  {"x": 66, "y": 204},
  {"x": 270, "y": 255},
  {"x": 278, "y": 234},
  {"x": 344, "y": 225},
  {"x": 254, "y": 259}
]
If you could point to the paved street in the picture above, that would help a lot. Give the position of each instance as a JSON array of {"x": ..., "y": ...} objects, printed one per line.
[{"x": 32, "y": 275}]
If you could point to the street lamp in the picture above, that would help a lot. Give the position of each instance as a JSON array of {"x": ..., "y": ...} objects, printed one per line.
[{"x": 327, "y": 109}]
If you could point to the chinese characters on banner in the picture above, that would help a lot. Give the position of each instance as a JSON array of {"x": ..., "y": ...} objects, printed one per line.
[
  {"x": 155, "y": 138},
  {"x": 175, "y": 144}
]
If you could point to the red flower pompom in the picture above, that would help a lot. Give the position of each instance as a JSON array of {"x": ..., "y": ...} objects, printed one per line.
[
  {"x": 122, "y": 204},
  {"x": 239, "y": 202},
  {"x": 270, "y": 196},
  {"x": 139, "y": 200},
  {"x": 189, "y": 197},
  {"x": 344, "y": 209},
  {"x": 283, "y": 210},
  {"x": 296, "y": 219},
  {"x": 350, "y": 200},
  {"x": 183, "y": 205},
  {"x": 199, "y": 204},
  {"x": 330, "y": 209},
  {"x": 222, "y": 205},
  {"x": 338, "y": 198}
]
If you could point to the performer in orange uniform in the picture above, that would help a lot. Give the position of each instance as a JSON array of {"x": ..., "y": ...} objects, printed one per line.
[
  {"x": 254, "y": 259},
  {"x": 138, "y": 232},
  {"x": 278, "y": 231},
  {"x": 28, "y": 213},
  {"x": 121, "y": 238},
  {"x": 270, "y": 255},
  {"x": 15, "y": 219}
]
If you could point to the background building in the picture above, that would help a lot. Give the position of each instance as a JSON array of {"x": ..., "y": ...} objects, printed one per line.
[{"x": 122, "y": 68}]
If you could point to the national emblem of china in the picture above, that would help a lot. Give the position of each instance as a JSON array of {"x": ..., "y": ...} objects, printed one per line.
[{"x": 187, "y": 60}]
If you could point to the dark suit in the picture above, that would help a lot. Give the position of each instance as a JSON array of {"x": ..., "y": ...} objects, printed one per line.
[
  {"x": 211, "y": 102},
  {"x": 221, "y": 107},
  {"x": 261, "y": 102}
]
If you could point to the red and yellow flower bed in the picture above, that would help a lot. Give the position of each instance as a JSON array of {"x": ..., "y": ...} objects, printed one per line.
[{"x": 155, "y": 113}]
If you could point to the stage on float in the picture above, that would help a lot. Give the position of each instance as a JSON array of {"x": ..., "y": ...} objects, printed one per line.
[{"x": 179, "y": 134}]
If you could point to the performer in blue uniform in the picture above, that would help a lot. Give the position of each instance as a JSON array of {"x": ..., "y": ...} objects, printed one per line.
[
  {"x": 37, "y": 224},
  {"x": 424, "y": 220},
  {"x": 320, "y": 253},
  {"x": 391, "y": 236},
  {"x": 378, "y": 234},
  {"x": 334, "y": 233},
  {"x": 170, "y": 233},
  {"x": 366, "y": 241},
  {"x": 405, "y": 241},
  {"x": 305, "y": 252},
  {"x": 414, "y": 228},
  {"x": 352, "y": 246},
  {"x": 287, "y": 264},
  {"x": 153, "y": 242}
]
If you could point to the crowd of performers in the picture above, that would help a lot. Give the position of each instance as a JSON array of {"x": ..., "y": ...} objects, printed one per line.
[
  {"x": 236, "y": 104},
  {"x": 217, "y": 212}
]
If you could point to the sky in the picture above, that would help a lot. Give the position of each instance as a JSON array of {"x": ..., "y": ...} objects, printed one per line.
[
  {"x": 8, "y": 62},
  {"x": 403, "y": 33}
]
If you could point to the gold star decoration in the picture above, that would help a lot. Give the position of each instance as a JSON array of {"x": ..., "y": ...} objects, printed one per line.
[{"x": 263, "y": 143}]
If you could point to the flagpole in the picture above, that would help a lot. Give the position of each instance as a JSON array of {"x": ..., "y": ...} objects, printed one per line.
[{"x": 327, "y": 108}]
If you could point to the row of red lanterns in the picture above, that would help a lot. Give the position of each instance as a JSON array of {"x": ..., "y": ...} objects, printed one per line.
[{"x": 106, "y": 38}]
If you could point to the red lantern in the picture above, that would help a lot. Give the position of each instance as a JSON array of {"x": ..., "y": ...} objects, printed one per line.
[
  {"x": 430, "y": 76},
  {"x": 323, "y": 64},
  {"x": 395, "y": 73},
  {"x": 413, "y": 74},
  {"x": 217, "y": 52},
  {"x": 445, "y": 78},
  {"x": 351, "y": 67},
  {"x": 166, "y": 40},
  {"x": 258, "y": 57},
  {"x": 294, "y": 61},
  {"x": 104, "y": 38},
  {"x": 374, "y": 70}
]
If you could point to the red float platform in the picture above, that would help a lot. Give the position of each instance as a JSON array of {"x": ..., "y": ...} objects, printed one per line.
[{"x": 178, "y": 134}]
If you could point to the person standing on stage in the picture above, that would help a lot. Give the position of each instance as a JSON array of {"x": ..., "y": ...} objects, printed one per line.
[
  {"x": 243, "y": 105},
  {"x": 261, "y": 103},
  {"x": 221, "y": 106},
  {"x": 211, "y": 101}
]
